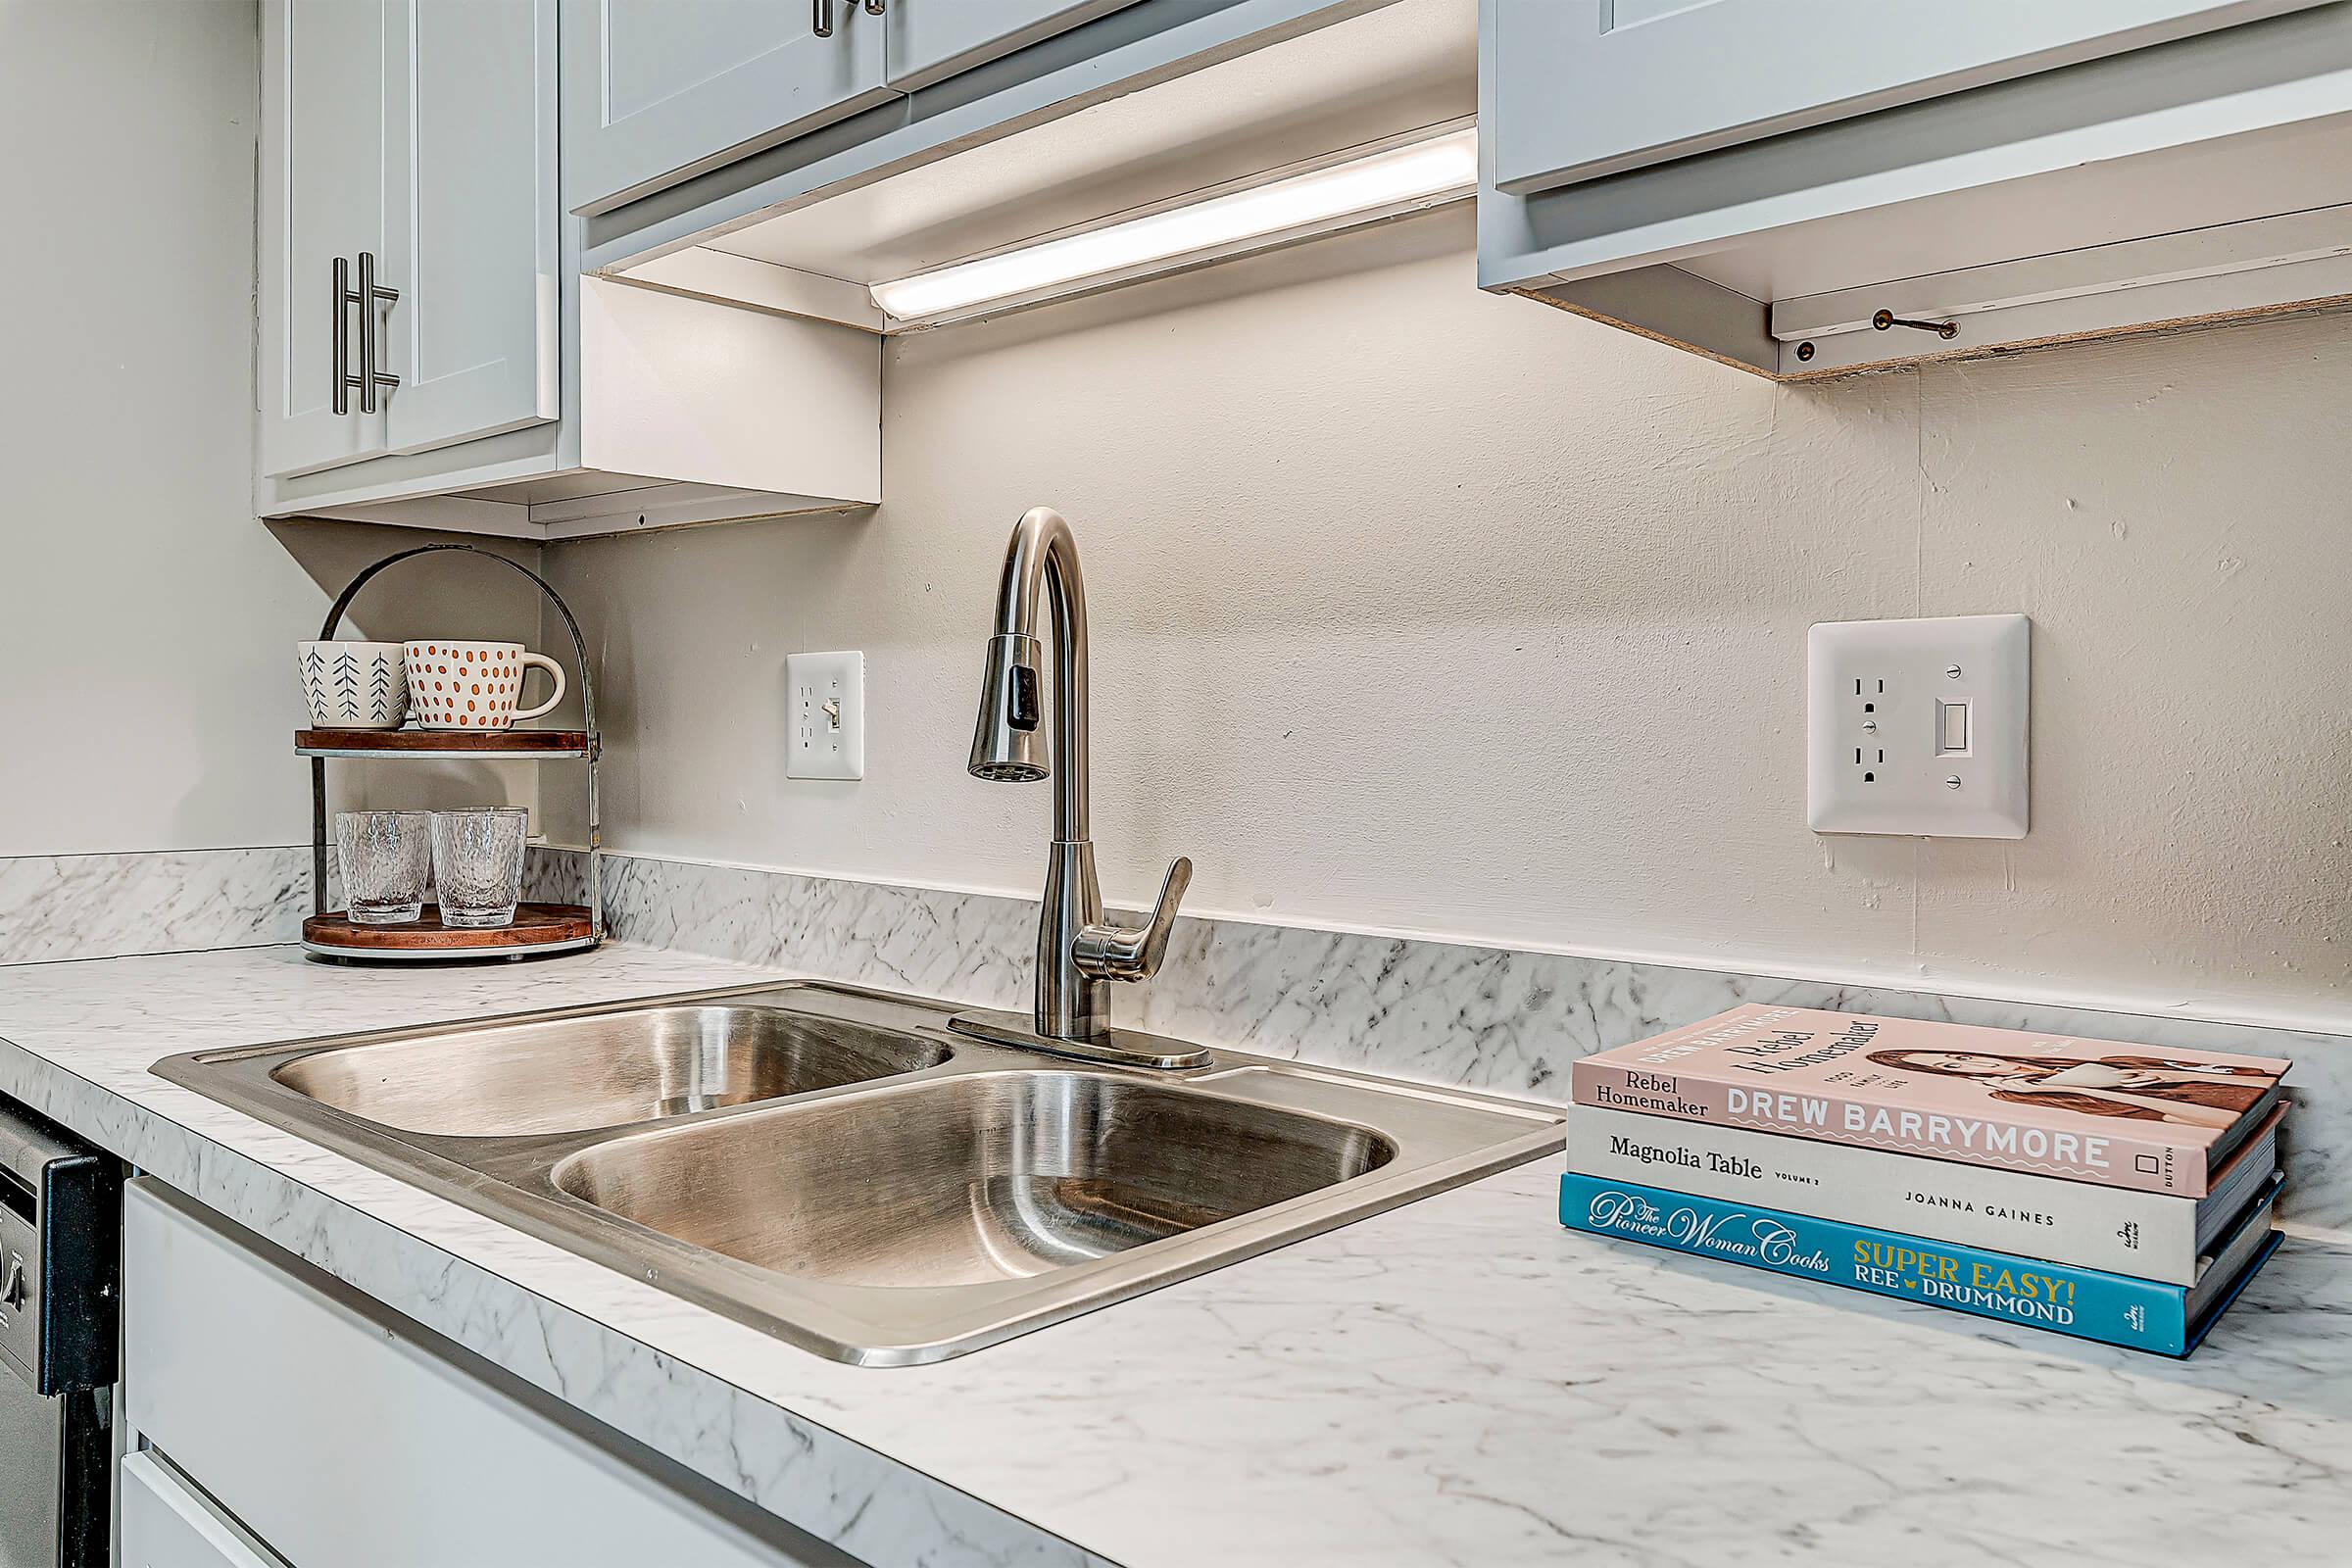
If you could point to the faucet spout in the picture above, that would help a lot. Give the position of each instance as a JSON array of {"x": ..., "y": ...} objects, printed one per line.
[
  {"x": 1040, "y": 570},
  {"x": 1078, "y": 957}
]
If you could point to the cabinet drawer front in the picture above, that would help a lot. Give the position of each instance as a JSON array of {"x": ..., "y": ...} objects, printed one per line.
[
  {"x": 1582, "y": 88},
  {"x": 343, "y": 1440},
  {"x": 165, "y": 1525}
]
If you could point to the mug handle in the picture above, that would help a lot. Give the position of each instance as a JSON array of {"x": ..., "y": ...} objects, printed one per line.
[{"x": 555, "y": 671}]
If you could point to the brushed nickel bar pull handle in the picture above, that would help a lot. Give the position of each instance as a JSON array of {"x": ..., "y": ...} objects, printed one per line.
[
  {"x": 873, "y": 8},
  {"x": 340, "y": 400},
  {"x": 823, "y": 25},
  {"x": 369, "y": 295}
]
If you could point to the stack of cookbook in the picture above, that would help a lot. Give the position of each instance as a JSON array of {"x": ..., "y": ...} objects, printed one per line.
[{"x": 2114, "y": 1192}]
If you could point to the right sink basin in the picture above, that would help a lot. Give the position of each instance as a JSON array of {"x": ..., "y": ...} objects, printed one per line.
[{"x": 969, "y": 1180}]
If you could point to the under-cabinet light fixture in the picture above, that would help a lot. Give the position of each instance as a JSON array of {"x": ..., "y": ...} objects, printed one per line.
[{"x": 1224, "y": 222}]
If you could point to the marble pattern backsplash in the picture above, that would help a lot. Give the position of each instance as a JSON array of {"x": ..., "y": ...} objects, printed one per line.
[
  {"x": 1488, "y": 1018},
  {"x": 57, "y": 907}
]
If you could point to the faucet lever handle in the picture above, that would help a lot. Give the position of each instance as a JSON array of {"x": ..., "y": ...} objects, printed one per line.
[{"x": 1123, "y": 952}]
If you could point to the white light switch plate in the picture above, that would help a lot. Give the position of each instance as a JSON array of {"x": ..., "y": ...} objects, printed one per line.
[
  {"x": 1919, "y": 726},
  {"x": 827, "y": 693}
]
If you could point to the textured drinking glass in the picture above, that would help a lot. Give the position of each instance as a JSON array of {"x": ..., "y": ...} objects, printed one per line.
[
  {"x": 478, "y": 863},
  {"x": 386, "y": 858}
]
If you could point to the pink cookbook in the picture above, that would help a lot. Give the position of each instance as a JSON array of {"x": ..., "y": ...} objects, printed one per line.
[{"x": 2151, "y": 1117}]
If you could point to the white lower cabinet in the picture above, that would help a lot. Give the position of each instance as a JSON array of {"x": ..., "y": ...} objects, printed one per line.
[{"x": 316, "y": 1430}]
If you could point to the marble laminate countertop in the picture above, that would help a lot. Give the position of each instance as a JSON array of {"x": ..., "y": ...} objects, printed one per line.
[{"x": 1457, "y": 1382}]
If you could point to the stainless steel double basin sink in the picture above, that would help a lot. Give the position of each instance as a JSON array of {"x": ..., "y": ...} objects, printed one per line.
[{"x": 835, "y": 1167}]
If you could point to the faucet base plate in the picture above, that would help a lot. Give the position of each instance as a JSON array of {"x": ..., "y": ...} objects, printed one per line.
[{"x": 1124, "y": 1048}]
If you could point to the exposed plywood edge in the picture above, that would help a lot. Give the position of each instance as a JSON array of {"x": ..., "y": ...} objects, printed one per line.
[
  {"x": 2180, "y": 306},
  {"x": 2252, "y": 245},
  {"x": 2131, "y": 307},
  {"x": 1670, "y": 306},
  {"x": 725, "y": 279},
  {"x": 2172, "y": 324}
]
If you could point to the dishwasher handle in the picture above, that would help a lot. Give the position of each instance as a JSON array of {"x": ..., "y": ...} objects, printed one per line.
[{"x": 61, "y": 1256}]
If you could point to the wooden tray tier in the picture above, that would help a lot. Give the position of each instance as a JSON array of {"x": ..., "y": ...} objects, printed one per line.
[
  {"x": 537, "y": 928},
  {"x": 442, "y": 743}
]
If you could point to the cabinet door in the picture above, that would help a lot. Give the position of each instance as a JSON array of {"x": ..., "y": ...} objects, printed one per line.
[
  {"x": 472, "y": 241},
  {"x": 656, "y": 90},
  {"x": 326, "y": 68},
  {"x": 1581, "y": 89},
  {"x": 933, "y": 39},
  {"x": 166, "y": 1524}
]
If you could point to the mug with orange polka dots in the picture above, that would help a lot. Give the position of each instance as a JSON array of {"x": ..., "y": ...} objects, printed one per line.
[{"x": 456, "y": 683}]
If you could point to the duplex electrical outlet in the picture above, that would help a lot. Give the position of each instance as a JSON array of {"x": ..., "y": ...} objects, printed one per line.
[
  {"x": 1919, "y": 726},
  {"x": 826, "y": 693}
]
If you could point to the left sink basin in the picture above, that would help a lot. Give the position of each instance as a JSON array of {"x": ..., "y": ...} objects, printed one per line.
[{"x": 581, "y": 1074}]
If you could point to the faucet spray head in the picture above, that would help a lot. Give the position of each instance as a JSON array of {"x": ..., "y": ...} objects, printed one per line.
[{"x": 1007, "y": 746}]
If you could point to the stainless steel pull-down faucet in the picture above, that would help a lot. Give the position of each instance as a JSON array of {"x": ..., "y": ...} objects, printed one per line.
[{"x": 1078, "y": 957}]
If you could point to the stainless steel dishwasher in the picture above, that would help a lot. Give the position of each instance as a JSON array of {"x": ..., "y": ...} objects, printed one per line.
[{"x": 61, "y": 1225}]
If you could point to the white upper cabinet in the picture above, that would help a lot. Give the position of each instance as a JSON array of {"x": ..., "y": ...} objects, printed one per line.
[
  {"x": 1806, "y": 189},
  {"x": 1593, "y": 87},
  {"x": 410, "y": 290},
  {"x": 411, "y": 146},
  {"x": 930, "y": 40},
  {"x": 472, "y": 239},
  {"x": 661, "y": 91},
  {"x": 322, "y": 206}
]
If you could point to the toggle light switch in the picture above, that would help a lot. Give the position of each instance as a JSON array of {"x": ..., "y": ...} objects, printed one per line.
[{"x": 1952, "y": 724}]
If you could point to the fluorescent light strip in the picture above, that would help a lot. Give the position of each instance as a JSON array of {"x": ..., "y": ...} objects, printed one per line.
[{"x": 1413, "y": 172}]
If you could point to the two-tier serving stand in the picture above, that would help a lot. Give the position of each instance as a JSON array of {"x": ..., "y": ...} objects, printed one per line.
[{"x": 540, "y": 930}]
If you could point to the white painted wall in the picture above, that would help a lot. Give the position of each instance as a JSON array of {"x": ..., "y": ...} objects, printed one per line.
[
  {"x": 147, "y": 621},
  {"x": 1417, "y": 608}
]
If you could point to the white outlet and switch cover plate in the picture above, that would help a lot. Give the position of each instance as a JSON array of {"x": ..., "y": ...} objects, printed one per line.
[
  {"x": 827, "y": 693},
  {"x": 1919, "y": 726}
]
